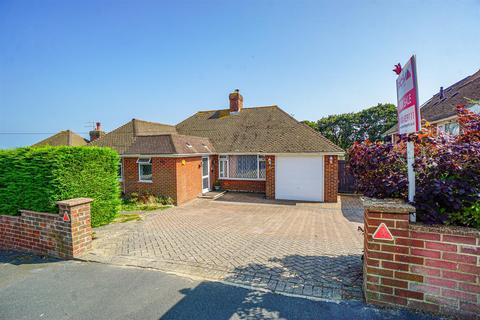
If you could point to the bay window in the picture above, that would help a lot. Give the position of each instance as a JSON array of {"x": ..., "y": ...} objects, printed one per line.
[
  {"x": 242, "y": 167},
  {"x": 144, "y": 170}
]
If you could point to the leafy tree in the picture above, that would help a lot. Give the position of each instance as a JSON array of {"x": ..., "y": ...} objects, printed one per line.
[{"x": 345, "y": 129}]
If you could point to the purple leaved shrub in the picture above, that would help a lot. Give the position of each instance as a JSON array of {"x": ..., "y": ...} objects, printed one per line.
[{"x": 447, "y": 172}]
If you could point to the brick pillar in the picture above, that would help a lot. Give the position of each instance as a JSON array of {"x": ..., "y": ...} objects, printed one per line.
[
  {"x": 213, "y": 170},
  {"x": 77, "y": 232},
  {"x": 270, "y": 177},
  {"x": 330, "y": 178},
  {"x": 386, "y": 265}
]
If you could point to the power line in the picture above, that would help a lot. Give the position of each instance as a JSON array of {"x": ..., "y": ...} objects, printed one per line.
[{"x": 11, "y": 133}]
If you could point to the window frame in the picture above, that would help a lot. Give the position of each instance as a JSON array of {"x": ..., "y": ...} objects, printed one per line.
[
  {"x": 121, "y": 171},
  {"x": 141, "y": 162},
  {"x": 225, "y": 158}
]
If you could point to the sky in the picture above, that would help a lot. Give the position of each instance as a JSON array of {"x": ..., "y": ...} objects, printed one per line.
[{"x": 66, "y": 64}]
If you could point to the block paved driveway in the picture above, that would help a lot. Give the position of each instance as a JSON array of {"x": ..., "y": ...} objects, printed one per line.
[{"x": 307, "y": 249}]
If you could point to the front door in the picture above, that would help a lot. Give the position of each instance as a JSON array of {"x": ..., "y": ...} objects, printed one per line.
[{"x": 205, "y": 175}]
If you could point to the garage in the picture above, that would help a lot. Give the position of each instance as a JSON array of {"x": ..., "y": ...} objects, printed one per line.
[{"x": 299, "y": 178}]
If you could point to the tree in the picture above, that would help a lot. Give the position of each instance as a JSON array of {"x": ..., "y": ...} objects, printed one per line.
[{"x": 345, "y": 129}]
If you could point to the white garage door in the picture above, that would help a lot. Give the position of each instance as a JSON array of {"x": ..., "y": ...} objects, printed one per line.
[{"x": 299, "y": 178}]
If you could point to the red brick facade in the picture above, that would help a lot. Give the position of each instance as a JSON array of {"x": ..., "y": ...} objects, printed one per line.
[
  {"x": 48, "y": 233},
  {"x": 270, "y": 177},
  {"x": 178, "y": 178},
  {"x": 181, "y": 178},
  {"x": 243, "y": 185},
  {"x": 431, "y": 268},
  {"x": 330, "y": 179},
  {"x": 189, "y": 178},
  {"x": 233, "y": 185}
]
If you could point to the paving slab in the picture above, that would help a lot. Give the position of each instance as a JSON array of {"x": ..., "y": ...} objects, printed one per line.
[{"x": 308, "y": 249}]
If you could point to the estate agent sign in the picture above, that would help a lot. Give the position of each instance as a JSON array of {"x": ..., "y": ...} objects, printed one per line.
[
  {"x": 408, "y": 115},
  {"x": 407, "y": 98}
]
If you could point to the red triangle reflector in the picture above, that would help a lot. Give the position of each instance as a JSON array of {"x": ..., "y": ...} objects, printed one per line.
[
  {"x": 66, "y": 217},
  {"x": 382, "y": 233}
]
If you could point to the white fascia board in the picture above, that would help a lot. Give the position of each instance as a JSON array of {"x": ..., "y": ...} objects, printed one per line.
[
  {"x": 337, "y": 153},
  {"x": 165, "y": 155}
]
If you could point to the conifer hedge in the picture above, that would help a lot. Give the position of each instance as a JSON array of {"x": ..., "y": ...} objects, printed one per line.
[{"x": 34, "y": 178}]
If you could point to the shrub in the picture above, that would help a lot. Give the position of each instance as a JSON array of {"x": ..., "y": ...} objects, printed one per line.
[
  {"x": 447, "y": 172},
  {"x": 145, "y": 202},
  {"x": 34, "y": 178}
]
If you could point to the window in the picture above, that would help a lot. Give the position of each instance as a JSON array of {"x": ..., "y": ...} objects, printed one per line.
[
  {"x": 120, "y": 170},
  {"x": 475, "y": 108},
  {"x": 451, "y": 128},
  {"x": 223, "y": 167},
  {"x": 242, "y": 167},
  {"x": 261, "y": 167},
  {"x": 144, "y": 170}
]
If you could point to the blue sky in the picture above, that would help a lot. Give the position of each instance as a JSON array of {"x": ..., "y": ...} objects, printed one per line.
[{"x": 66, "y": 63}]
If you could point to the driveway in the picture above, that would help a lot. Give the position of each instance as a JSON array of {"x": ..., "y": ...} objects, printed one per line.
[{"x": 305, "y": 249}]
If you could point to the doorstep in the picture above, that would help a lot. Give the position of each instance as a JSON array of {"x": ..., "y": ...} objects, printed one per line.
[{"x": 212, "y": 194}]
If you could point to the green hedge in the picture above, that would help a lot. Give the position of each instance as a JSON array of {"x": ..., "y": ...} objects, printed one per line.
[{"x": 34, "y": 178}]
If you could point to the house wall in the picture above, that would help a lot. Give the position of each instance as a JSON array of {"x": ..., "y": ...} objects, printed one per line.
[
  {"x": 164, "y": 177},
  {"x": 430, "y": 268},
  {"x": 243, "y": 185},
  {"x": 213, "y": 170},
  {"x": 189, "y": 178},
  {"x": 236, "y": 185},
  {"x": 270, "y": 177},
  {"x": 330, "y": 179}
]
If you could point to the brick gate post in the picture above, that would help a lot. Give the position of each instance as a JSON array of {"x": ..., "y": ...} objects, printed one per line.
[
  {"x": 385, "y": 276},
  {"x": 77, "y": 230}
]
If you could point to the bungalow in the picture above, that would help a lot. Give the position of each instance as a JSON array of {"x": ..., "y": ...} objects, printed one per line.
[
  {"x": 257, "y": 149},
  {"x": 70, "y": 138},
  {"x": 63, "y": 138},
  {"x": 440, "y": 110}
]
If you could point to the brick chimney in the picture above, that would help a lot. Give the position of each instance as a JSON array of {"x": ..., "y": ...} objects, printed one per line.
[
  {"x": 236, "y": 101},
  {"x": 97, "y": 132}
]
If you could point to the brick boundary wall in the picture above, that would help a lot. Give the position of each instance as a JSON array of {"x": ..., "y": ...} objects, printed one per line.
[
  {"x": 47, "y": 233},
  {"x": 429, "y": 268}
]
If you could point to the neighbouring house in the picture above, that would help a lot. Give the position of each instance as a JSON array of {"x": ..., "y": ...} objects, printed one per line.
[
  {"x": 63, "y": 138},
  {"x": 440, "y": 110},
  {"x": 70, "y": 138},
  {"x": 257, "y": 149}
]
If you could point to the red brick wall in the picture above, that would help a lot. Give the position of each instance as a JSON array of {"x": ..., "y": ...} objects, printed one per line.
[
  {"x": 431, "y": 268},
  {"x": 270, "y": 177},
  {"x": 213, "y": 170},
  {"x": 189, "y": 179},
  {"x": 243, "y": 185},
  {"x": 47, "y": 233},
  {"x": 164, "y": 177},
  {"x": 330, "y": 179}
]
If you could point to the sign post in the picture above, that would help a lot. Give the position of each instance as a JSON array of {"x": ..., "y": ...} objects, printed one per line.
[{"x": 408, "y": 115}]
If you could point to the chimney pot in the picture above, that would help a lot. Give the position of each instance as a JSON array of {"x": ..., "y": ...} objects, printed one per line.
[
  {"x": 442, "y": 95},
  {"x": 236, "y": 101},
  {"x": 97, "y": 132}
]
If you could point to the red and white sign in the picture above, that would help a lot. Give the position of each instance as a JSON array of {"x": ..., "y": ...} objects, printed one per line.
[
  {"x": 382, "y": 233},
  {"x": 407, "y": 99},
  {"x": 66, "y": 217}
]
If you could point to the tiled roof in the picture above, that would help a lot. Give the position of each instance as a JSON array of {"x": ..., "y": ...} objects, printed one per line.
[
  {"x": 63, "y": 138},
  {"x": 438, "y": 108},
  {"x": 142, "y": 137},
  {"x": 123, "y": 137},
  {"x": 169, "y": 144},
  {"x": 259, "y": 129}
]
